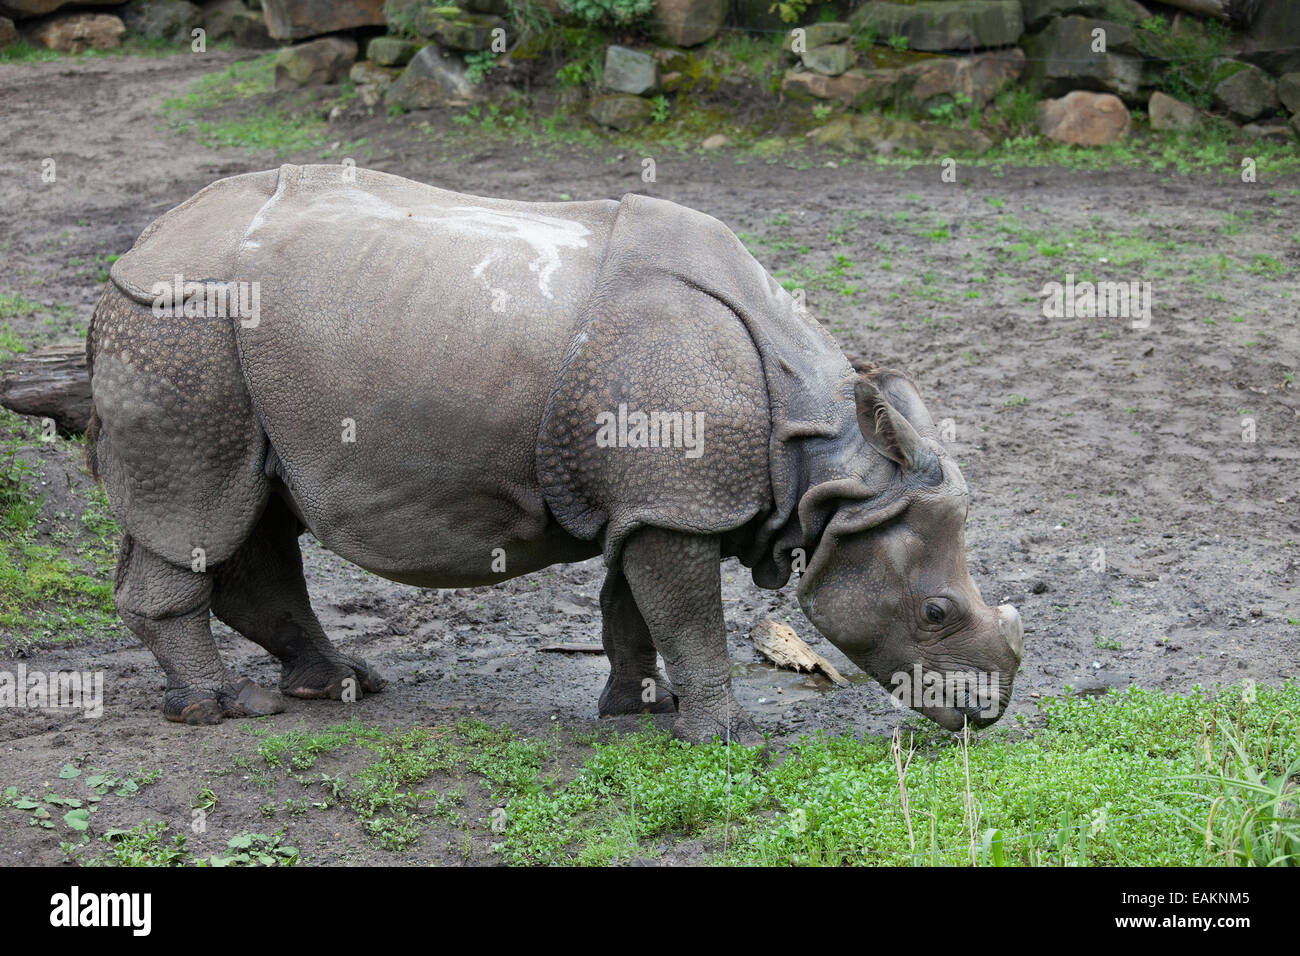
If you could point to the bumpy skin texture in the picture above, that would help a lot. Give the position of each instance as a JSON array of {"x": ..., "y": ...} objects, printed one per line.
[{"x": 422, "y": 389}]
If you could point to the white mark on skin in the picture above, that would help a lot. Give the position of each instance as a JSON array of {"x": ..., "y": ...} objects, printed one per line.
[{"x": 547, "y": 235}]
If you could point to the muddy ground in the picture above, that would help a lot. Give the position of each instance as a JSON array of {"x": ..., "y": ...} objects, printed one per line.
[{"x": 1074, "y": 433}]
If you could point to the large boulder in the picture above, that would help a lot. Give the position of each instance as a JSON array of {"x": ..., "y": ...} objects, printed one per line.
[
  {"x": 1288, "y": 91},
  {"x": 1167, "y": 113},
  {"x": 855, "y": 87},
  {"x": 455, "y": 29},
  {"x": 434, "y": 77},
  {"x": 944, "y": 24},
  {"x": 1038, "y": 12},
  {"x": 620, "y": 111},
  {"x": 1243, "y": 90},
  {"x": 688, "y": 22},
  {"x": 232, "y": 19},
  {"x": 26, "y": 9},
  {"x": 629, "y": 71},
  {"x": 78, "y": 32},
  {"x": 162, "y": 19},
  {"x": 1273, "y": 40},
  {"x": 979, "y": 78},
  {"x": 8, "y": 32},
  {"x": 1061, "y": 59},
  {"x": 297, "y": 19},
  {"x": 391, "y": 51},
  {"x": 1084, "y": 118},
  {"x": 315, "y": 63},
  {"x": 876, "y": 133}
]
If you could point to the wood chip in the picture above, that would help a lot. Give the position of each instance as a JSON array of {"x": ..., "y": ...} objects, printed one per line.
[
  {"x": 573, "y": 648},
  {"x": 783, "y": 647}
]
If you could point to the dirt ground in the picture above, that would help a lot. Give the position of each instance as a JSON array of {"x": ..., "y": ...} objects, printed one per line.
[{"x": 1075, "y": 434}]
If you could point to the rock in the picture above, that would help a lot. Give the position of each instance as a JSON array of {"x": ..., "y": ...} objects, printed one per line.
[
  {"x": 1275, "y": 132},
  {"x": 371, "y": 81},
  {"x": 979, "y": 77},
  {"x": 1084, "y": 118},
  {"x": 854, "y": 87},
  {"x": 497, "y": 8},
  {"x": 944, "y": 24},
  {"x": 1273, "y": 40},
  {"x": 315, "y": 63},
  {"x": 1166, "y": 112},
  {"x": 1038, "y": 12},
  {"x": 1288, "y": 91},
  {"x": 716, "y": 141},
  {"x": 629, "y": 71},
  {"x": 816, "y": 34},
  {"x": 621, "y": 111},
  {"x": 885, "y": 135},
  {"x": 78, "y": 32},
  {"x": 8, "y": 33},
  {"x": 391, "y": 51},
  {"x": 433, "y": 77},
  {"x": 1061, "y": 59},
  {"x": 687, "y": 22},
  {"x": 26, "y": 9},
  {"x": 297, "y": 19},
  {"x": 1243, "y": 90},
  {"x": 230, "y": 18},
  {"x": 831, "y": 60},
  {"x": 457, "y": 30},
  {"x": 162, "y": 19}
]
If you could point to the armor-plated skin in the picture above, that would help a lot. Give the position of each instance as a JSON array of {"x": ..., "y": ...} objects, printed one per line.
[{"x": 440, "y": 386}]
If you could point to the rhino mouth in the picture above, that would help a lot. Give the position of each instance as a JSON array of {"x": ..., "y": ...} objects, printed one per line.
[{"x": 952, "y": 699}]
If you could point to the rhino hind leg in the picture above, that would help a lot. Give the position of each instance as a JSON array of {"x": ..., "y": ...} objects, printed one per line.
[
  {"x": 676, "y": 581},
  {"x": 633, "y": 659},
  {"x": 261, "y": 593},
  {"x": 167, "y": 607}
]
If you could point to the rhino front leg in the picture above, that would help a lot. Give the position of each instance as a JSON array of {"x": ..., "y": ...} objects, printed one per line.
[
  {"x": 262, "y": 594},
  {"x": 168, "y": 608},
  {"x": 677, "y": 585},
  {"x": 633, "y": 660}
]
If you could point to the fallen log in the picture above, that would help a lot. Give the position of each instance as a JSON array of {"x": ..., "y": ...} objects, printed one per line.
[
  {"x": 50, "y": 382},
  {"x": 784, "y": 648}
]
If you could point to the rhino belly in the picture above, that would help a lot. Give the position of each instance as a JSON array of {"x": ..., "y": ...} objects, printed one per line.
[{"x": 404, "y": 347}]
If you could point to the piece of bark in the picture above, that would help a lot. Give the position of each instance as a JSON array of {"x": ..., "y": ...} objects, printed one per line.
[
  {"x": 573, "y": 648},
  {"x": 50, "y": 382},
  {"x": 784, "y": 648}
]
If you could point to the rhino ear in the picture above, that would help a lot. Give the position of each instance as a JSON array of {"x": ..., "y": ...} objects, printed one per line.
[{"x": 884, "y": 427}]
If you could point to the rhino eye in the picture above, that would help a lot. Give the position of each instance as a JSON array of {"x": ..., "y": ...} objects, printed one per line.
[{"x": 934, "y": 613}]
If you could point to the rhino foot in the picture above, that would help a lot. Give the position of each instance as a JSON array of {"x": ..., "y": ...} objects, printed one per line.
[
  {"x": 319, "y": 678},
  {"x": 628, "y": 697},
  {"x": 700, "y": 727},
  {"x": 240, "y": 698}
]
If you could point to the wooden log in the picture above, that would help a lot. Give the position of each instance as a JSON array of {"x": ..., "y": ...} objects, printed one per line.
[
  {"x": 50, "y": 382},
  {"x": 783, "y": 647}
]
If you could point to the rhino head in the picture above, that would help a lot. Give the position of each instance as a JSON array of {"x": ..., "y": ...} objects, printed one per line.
[{"x": 888, "y": 583}]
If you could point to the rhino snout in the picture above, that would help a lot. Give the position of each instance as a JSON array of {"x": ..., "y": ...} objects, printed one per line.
[{"x": 1012, "y": 631}]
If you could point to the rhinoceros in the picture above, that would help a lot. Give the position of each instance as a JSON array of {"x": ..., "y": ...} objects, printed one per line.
[{"x": 450, "y": 391}]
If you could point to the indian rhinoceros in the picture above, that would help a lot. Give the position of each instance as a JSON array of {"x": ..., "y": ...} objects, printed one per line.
[{"x": 450, "y": 391}]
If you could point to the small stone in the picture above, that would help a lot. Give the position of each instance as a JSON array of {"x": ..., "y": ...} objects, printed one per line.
[
  {"x": 391, "y": 51},
  {"x": 716, "y": 141},
  {"x": 1273, "y": 132},
  {"x": 817, "y": 34},
  {"x": 629, "y": 71},
  {"x": 453, "y": 28},
  {"x": 829, "y": 60},
  {"x": 620, "y": 111}
]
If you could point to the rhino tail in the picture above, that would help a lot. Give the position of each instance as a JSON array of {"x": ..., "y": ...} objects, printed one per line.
[{"x": 92, "y": 423}]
